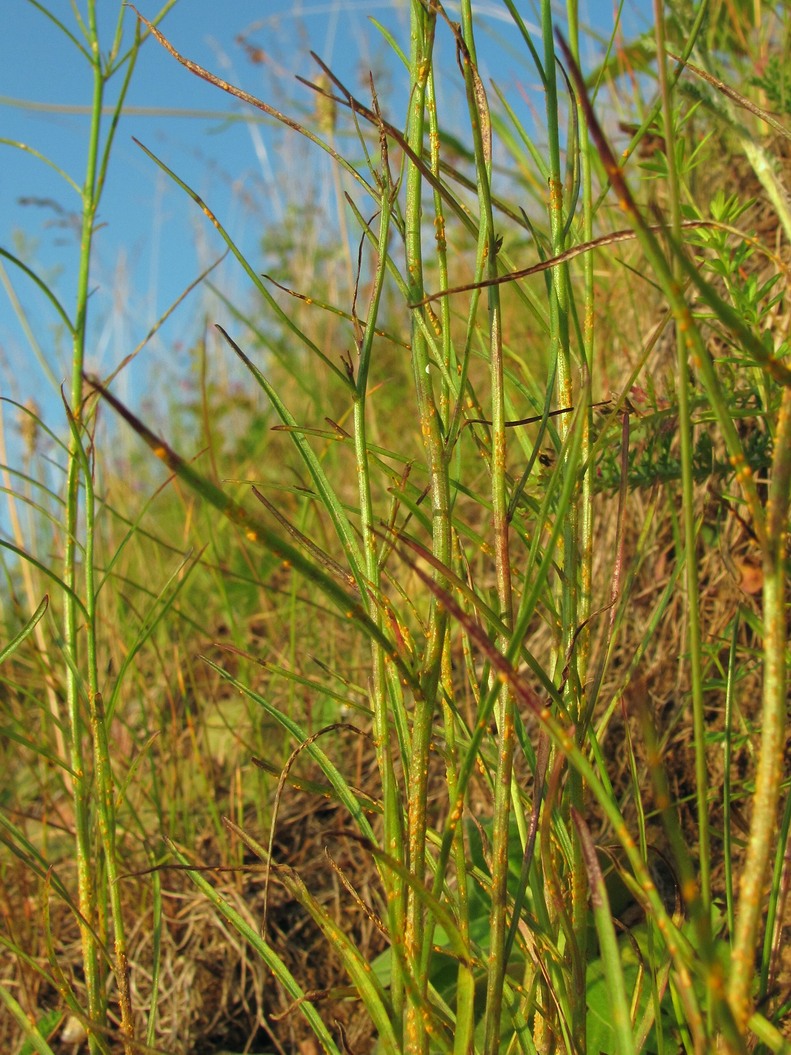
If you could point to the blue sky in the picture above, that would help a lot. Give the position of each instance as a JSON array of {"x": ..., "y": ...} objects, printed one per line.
[{"x": 153, "y": 241}]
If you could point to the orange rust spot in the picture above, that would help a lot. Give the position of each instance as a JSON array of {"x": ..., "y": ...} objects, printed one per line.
[
  {"x": 716, "y": 981},
  {"x": 689, "y": 891},
  {"x": 555, "y": 195}
]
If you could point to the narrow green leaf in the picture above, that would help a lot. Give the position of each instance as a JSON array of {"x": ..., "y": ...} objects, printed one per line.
[
  {"x": 26, "y": 630},
  {"x": 608, "y": 942},
  {"x": 264, "y": 950}
]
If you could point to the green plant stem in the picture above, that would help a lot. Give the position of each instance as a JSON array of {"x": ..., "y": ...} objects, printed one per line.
[
  {"x": 34, "y": 1041},
  {"x": 586, "y": 498},
  {"x": 560, "y": 370},
  {"x": 480, "y": 124},
  {"x": 422, "y": 25},
  {"x": 579, "y": 898},
  {"x": 727, "y": 792},
  {"x": 572, "y": 579},
  {"x": 81, "y": 780},
  {"x": 608, "y": 942},
  {"x": 393, "y": 833},
  {"x": 465, "y": 980},
  {"x": 447, "y": 392},
  {"x": 769, "y": 774},
  {"x": 688, "y": 490},
  {"x": 95, "y": 884}
]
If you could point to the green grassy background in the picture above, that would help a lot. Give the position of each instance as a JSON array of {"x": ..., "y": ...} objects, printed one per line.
[{"x": 433, "y": 697}]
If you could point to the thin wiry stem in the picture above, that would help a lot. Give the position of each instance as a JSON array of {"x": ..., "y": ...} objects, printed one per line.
[
  {"x": 421, "y": 46},
  {"x": 769, "y": 775},
  {"x": 688, "y": 490},
  {"x": 87, "y": 874},
  {"x": 393, "y": 835},
  {"x": 480, "y": 124}
]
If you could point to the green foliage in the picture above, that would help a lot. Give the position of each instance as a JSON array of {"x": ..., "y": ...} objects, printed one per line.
[
  {"x": 773, "y": 82},
  {"x": 482, "y": 659}
]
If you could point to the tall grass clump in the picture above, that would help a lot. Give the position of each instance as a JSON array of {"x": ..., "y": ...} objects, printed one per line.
[
  {"x": 528, "y": 543},
  {"x": 90, "y": 585},
  {"x": 78, "y": 716}
]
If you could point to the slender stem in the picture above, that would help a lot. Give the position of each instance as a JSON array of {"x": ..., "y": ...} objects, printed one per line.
[
  {"x": 568, "y": 589},
  {"x": 95, "y": 884},
  {"x": 727, "y": 793},
  {"x": 480, "y": 124},
  {"x": 421, "y": 45},
  {"x": 465, "y": 979},
  {"x": 688, "y": 490},
  {"x": 579, "y": 881},
  {"x": 393, "y": 834},
  {"x": 81, "y": 780},
  {"x": 769, "y": 775}
]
